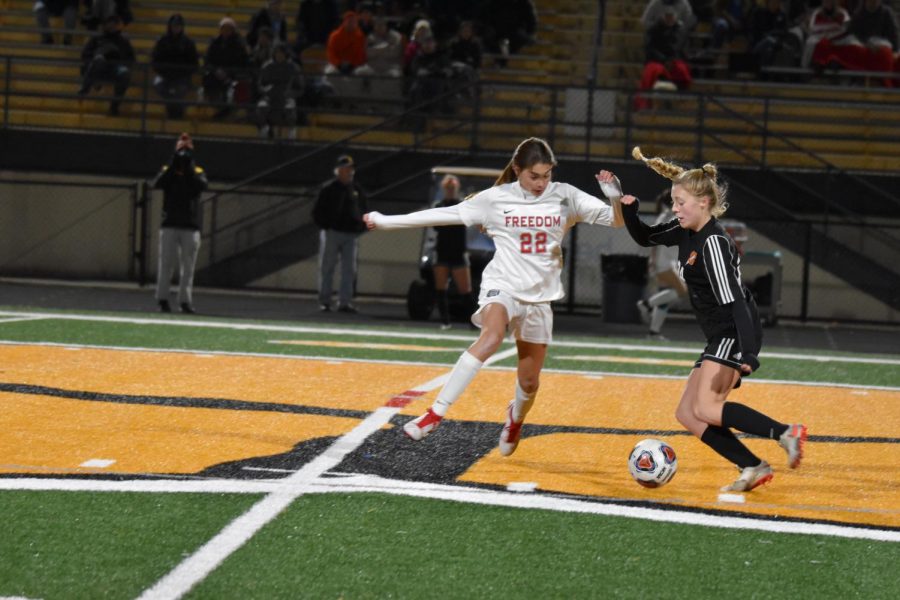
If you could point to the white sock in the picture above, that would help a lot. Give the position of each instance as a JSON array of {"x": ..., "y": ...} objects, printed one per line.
[
  {"x": 523, "y": 403},
  {"x": 462, "y": 374}
]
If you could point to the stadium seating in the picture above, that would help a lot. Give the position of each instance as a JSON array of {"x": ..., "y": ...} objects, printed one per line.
[
  {"x": 744, "y": 120},
  {"x": 43, "y": 78},
  {"x": 850, "y": 125}
]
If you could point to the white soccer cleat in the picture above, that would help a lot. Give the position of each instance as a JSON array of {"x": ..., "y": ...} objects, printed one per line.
[
  {"x": 419, "y": 428},
  {"x": 751, "y": 478},
  {"x": 793, "y": 441},
  {"x": 509, "y": 437}
]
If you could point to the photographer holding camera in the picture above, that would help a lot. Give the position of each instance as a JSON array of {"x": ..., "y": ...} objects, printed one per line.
[{"x": 182, "y": 182}]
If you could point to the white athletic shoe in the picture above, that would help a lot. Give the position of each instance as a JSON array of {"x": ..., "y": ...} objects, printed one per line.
[
  {"x": 509, "y": 437},
  {"x": 751, "y": 477},
  {"x": 793, "y": 441},
  {"x": 419, "y": 428},
  {"x": 644, "y": 310}
]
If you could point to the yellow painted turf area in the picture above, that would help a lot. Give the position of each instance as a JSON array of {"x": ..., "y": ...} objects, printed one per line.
[{"x": 41, "y": 434}]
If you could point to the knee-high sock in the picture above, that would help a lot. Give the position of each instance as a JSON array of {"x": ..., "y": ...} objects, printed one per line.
[
  {"x": 723, "y": 441},
  {"x": 462, "y": 374},
  {"x": 522, "y": 403},
  {"x": 743, "y": 418},
  {"x": 443, "y": 306}
]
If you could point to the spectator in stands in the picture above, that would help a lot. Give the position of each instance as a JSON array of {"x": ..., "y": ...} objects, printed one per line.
[
  {"x": 421, "y": 30},
  {"x": 447, "y": 15},
  {"x": 261, "y": 53},
  {"x": 665, "y": 67},
  {"x": 182, "y": 183},
  {"x": 225, "y": 66},
  {"x": 828, "y": 22},
  {"x": 338, "y": 213},
  {"x": 271, "y": 17},
  {"x": 280, "y": 84},
  {"x": 465, "y": 48},
  {"x": 316, "y": 19},
  {"x": 656, "y": 9},
  {"x": 67, "y": 9},
  {"x": 875, "y": 25},
  {"x": 347, "y": 48},
  {"x": 508, "y": 26},
  {"x": 99, "y": 10},
  {"x": 430, "y": 73},
  {"x": 365, "y": 12},
  {"x": 174, "y": 60},
  {"x": 108, "y": 58},
  {"x": 384, "y": 49},
  {"x": 729, "y": 20},
  {"x": 772, "y": 37}
]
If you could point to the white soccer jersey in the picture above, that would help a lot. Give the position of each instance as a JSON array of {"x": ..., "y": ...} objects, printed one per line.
[{"x": 527, "y": 231}]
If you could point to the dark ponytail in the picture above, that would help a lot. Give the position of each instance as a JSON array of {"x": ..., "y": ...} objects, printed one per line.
[{"x": 528, "y": 153}]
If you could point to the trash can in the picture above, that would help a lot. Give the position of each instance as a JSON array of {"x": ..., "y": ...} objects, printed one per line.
[{"x": 624, "y": 281}]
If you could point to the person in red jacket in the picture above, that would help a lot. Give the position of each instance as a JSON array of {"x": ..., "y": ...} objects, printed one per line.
[{"x": 347, "y": 47}]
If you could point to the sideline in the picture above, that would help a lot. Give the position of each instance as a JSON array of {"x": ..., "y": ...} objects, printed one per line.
[{"x": 375, "y": 484}]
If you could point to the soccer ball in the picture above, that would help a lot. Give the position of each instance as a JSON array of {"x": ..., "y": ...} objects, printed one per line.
[{"x": 652, "y": 463}]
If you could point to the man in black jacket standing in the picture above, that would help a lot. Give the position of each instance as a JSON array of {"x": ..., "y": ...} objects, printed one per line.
[
  {"x": 338, "y": 213},
  {"x": 182, "y": 182}
]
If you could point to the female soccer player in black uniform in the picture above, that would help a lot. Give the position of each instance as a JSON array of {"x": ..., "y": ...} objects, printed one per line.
[
  {"x": 710, "y": 266},
  {"x": 451, "y": 258}
]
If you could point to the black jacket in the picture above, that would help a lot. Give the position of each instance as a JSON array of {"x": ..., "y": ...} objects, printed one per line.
[
  {"x": 264, "y": 19},
  {"x": 112, "y": 46},
  {"x": 181, "y": 195},
  {"x": 175, "y": 56},
  {"x": 341, "y": 207},
  {"x": 227, "y": 53}
]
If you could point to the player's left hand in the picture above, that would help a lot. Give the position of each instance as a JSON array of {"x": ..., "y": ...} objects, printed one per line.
[
  {"x": 746, "y": 369},
  {"x": 609, "y": 184}
]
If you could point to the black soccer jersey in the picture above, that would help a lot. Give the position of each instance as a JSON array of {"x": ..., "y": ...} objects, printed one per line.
[
  {"x": 710, "y": 265},
  {"x": 451, "y": 240}
]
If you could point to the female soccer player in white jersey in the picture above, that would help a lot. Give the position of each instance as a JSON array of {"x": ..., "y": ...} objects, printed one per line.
[
  {"x": 527, "y": 215},
  {"x": 711, "y": 267}
]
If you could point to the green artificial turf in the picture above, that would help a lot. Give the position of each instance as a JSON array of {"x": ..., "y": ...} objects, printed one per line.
[
  {"x": 379, "y": 546},
  {"x": 102, "y": 545}
]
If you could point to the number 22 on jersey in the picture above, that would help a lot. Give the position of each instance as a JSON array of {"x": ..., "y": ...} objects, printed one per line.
[{"x": 533, "y": 243}]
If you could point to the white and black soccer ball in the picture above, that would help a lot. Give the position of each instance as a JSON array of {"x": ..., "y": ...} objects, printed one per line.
[{"x": 652, "y": 463}]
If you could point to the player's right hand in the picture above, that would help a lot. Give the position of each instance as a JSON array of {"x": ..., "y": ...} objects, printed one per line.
[
  {"x": 628, "y": 199},
  {"x": 370, "y": 219}
]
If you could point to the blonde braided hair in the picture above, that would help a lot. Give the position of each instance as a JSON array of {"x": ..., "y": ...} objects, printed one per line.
[{"x": 701, "y": 182}]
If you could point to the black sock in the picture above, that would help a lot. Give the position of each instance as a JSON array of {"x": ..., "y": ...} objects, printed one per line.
[
  {"x": 743, "y": 418},
  {"x": 443, "y": 306},
  {"x": 724, "y": 442}
]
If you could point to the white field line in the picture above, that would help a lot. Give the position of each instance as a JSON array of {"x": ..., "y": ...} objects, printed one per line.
[
  {"x": 371, "y": 483},
  {"x": 8, "y": 319},
  {"x": 417, "y": 335},
  {"x": 201, "y": 563},
  {"x": 381, "y": 361}
]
